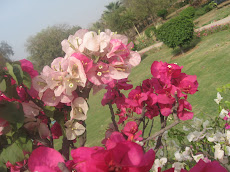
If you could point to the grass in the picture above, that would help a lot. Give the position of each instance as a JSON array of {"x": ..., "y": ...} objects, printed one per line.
[
  {"x": 211, "y": 16},
  {"x": 209, "y": 60}
]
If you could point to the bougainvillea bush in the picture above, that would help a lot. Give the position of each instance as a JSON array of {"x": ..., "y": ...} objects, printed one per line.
[{"x": 37, "y": 108}]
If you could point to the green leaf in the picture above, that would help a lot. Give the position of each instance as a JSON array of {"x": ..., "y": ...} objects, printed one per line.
[
  {"x": 3, "y": 85},
  {"x": 12, "y": 112},
  {"x": 11, "y": 91},
  {"x": 49, "y": 111},
  {"x": 11, "y": 71},
  {"x": 18, "y": 73},
  {"x": 2, "y": 166},
  {"x": 12, "y": 153},
  {"x": 27, "y": 80}
]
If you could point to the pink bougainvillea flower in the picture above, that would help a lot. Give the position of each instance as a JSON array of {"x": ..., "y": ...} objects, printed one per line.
[
  {"x": 99, "y": 74},
  {"x": 37, "y": 125},
  {"x": 44, "y": 159},
  {"x": 17, "y": 167},
  {"x": 30, "y": 109},
  {"x": 79, "y": 109},
  {"x": 133, "y": 59},
  {"x": 4, "y": 127},
  {"x": 82, "y": 160},
  {"x": 56, "y": 130},
  {"x": 213, "y": 166},
  {"x": 120, "y": 84},
  {"x": 164, "y": 71},
  {"x": 131, "y": 130},
  {"x": 28, "y": 67},
  {"x": 74, "y": 43},
  {"x": 115, "y": 137},
  {"x": 39, "y": 84},
  {"x": 60, "y": 64},
  {"x": 73, "y": 129},
  {"x": 124, "y": 156},
  {"x": 86, "y": 62},
  {"x": 136, "y": 99},
  {"x": 119, "y": 70},
  {"x": 76, "y": 70},
  {"x": 189, "y": 84},
  {"x": 117, "y": 49},
  {"x": 182, "y": 113},
  {"x": 50, "y": 99}
]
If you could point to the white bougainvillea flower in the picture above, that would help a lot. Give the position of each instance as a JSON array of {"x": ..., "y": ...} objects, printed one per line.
[
  {"x": 79, "y": 109},
  {"x": 185, "y": 128},
  {"x": 197, "y": 123},
  {"x": 73, "y": 129},
  {"x": 219, "y": 153},
  {"x": 193, "y": 136},
  {"x": 76, "y": 70},
  {"x": 228, "y": 136},
  {"x": 159, "y": 163},
  {"x": 198, "y": 157},
  {"x": 228, "y": 150},
  {"x": 219, "y": 98},
  {"x": 217, "y": 137},
  {"x": 223, "y": 113},
  {"x": 91, "y": 41},
  {"x": 187, "y": 154},
  {"x": 178, "y": 166},
  {"x": 178, "y": 156}
]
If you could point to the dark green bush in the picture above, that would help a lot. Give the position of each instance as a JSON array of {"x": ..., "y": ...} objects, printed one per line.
[
  {"x": 199, "y": 12},
  {"x": 189, "y": 12},
  {"x": 150, "y": 31},
  {"x": 162, "y": 13},
  {"x": 176, "y": 32}
]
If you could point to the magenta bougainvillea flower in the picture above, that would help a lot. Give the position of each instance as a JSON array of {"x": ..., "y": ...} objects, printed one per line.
[
  {"x": 213, "y": 166},
  {"x": 44, "y": 159},
  {"x": 120, "y": 156}
]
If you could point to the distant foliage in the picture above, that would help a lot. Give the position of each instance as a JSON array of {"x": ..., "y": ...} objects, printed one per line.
[
  {"x": 150, "y": 31},
  {"x": 176, "y": 32},
  {"x": 45, "y": 45},
  {"x": 6, "y": 50},
  {"x": 162, "y": 13},
  {"x": 189, "y": 12}
]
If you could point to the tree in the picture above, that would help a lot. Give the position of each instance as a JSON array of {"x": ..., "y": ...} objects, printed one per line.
[
  {"x": 176, "y": 32},
  {"x": 45, "y": 45},
  {"x": 5, "y": 52},
  {"x": 112, "y": 7}
]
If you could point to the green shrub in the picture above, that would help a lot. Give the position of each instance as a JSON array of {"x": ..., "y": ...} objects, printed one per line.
[
  {"x": 189, "y": 12},
  {"x": 162, "y": 13},
  {"x": 176, "y": 32},
  {"x": 199, "y": 12},
  {"x": 150, "y": 31}
]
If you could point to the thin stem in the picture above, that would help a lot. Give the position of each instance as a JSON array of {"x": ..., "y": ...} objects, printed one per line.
[
  {"x": 139, "y": 120},
  {"x": 176, "y": 121},
  {"x": 65, "y": 148},
  {"x": 51, "y": 136},
  {"x": 62, "y": 167},
  {"x": 113, "y": 116}
]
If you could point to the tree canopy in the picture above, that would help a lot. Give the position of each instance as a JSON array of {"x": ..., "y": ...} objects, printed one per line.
[
  {"x": 46, "y": 45},
  {"x": 5, "y": 52}
]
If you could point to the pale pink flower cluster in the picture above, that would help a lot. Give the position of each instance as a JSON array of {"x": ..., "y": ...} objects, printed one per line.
[
  {"x": 90, "y": 57},
  {"x": 111, "y": 54}
]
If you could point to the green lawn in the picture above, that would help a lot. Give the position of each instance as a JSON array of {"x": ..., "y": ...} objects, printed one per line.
[
  {"x": 209, "y": 60},
  {"x": 214, "y": 15}
]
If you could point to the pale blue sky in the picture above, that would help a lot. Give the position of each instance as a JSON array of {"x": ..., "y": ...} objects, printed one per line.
[{"x": 20, "y": 19}]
